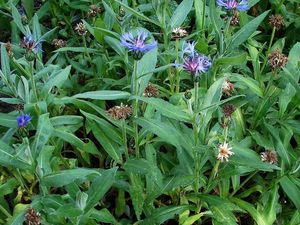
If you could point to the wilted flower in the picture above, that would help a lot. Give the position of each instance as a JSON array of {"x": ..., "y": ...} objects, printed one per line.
[
  {"x": 31, "y": 45},
  {"x": 179, "y": 32},
  {"x": 269, "y": 156},
  {"x": 151, "y": 91},
  {"x": 137, "y": 44},
  {"x": 120, "y": 112},
  {"x": 228, "y": 109},
  {"x": 233, "y": 4},
  {"x": 227, "y": 87},
  {"x": 80, "y": 29},
  {"x": 224, "y": 152},
  {"x": 59, "y": 43},
  {"x": 193, "y": 62},
  {"x": 277, "y": 60},
  {"x": 32, "y": 217},
  {"x": 276, "y": 21},
  {"x": 94, "y": 10},
  {"x": 23, "y": 120},
  {"x": 8, "y": 47}
]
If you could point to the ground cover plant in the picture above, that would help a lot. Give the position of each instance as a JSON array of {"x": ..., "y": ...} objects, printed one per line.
[{"x": 149, "y": 112}]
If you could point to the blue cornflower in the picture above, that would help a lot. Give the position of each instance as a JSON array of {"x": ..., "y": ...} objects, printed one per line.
[
  {"x": 23, "y": 120},
  {"x": 31, "y": 45},
  {"x": 137, "y": 44},
  {"x": 193, "y": 62},
  {"x": 233, "y": 4}
]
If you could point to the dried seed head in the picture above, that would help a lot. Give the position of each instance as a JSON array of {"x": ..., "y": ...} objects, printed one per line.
[
  {"x": 276, "y": 21},
  {"x": 120, "y": 112},
  {"x": 224, "y": 152},
  {"x": 8, "y": 47},
  {"x": 269, "y": 156},
  {"x": 235, "y": 20},
  {"x": 80, "y": 29},
  {"x": 59, "y": 43},
  {"x": 94, "y": 10},
  {"x": 151, "y": 91},
  {"x": 32, "y": 217},
  {"x": 277, "y": 60},
  {"x": 179, "y": 32},
  {"x": 228, "y": 109},
  {"x": 227, "y": 87}
]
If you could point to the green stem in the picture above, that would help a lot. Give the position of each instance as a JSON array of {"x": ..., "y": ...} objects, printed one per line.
[
  {"x": 245, "y": 181},
  {"x": 85, "y": 47},
  {"x": 33, "y": 82},
  {"x": 125, "y": 139},
  {"x": 136, "y": 109},
  {"x": 269, "y": 49},
  {"x": 212, "y": 175},
  {"x": 203, "y": 16},
  {"x": 5, "y": 212},
  {"x": 177, "y": 71}
]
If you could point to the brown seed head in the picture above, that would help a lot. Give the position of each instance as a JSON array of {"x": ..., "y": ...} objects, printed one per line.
[
  {"x": 228, "y": 109},
  {"x": 269, "y": 156},
  {"x": 120, "y": 112},
  {"x": 227, "y": 87},
  {"x": 80, "y": 29},
  {"x": 276, "y": 21},
  {"x": 32, "y": 217},
  {"x": 277, "y": 60},
  {"x": 8, "y": 47},
  {"x": 151, "y": 91},
  {"x": 94, "y": 10},
  {"x": 59, "y": 43}
]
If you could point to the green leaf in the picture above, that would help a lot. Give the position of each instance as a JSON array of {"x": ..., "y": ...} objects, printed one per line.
[
  {"x": 115, "y": 45},
  {"x": 162, "y": 214},
  {"x": 138, "y": 166},
  {"x": 291, "y": 190},
  {"x": 17, "y": 19},
  {"x": 232, "y": 60},
  {"x": 181, "y": 13},
  {"x": 246, "y": 31},
  {"x": 99, "y": 187},
  {"x": 167, "y": 109},
  {"x": 285, "y": 98},
  {"x": 44, "y": 132},
  {"x": 56, "y": 80},
  {"x": 64, "y": 177},
  {"x": 7, "y": 120},
  {"x": 103, "y": 95},
  {"x": 250, "y": 83}
]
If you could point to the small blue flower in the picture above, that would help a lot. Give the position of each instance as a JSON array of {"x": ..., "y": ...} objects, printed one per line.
[
  {"x": 193, "y": 62},
  {"x": 30, "y": 44},
  {"x": 137, "y": 44},
  {"x": 233, "y": 4},
  {"x": 23, "y": 120}
]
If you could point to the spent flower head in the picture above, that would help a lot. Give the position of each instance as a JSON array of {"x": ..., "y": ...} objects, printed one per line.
[
  {"x": 194, "y": 62},
  {"x": 224, "y": 152},
  {"x": 23, "y": 119},
  {"x": 269, "y": 157},
  {"x": 276, "y": 21},
  {"x": 138, "y": 44},
  {"x": 277, "y": 60},
  {"x": 80, "y": 29},
  {"x": 234, "y": 4},
  {"x": 120, "y": 112},
  {"x": 179, "y": 32},
  {"x": 32, "y": 217}
]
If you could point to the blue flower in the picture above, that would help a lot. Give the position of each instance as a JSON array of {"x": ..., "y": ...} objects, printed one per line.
[
  {"x": 193, "y": 62},
  {"x": 233, "y": 4},
  {"x": 23, "y": 120},
  {"x": 32, "y": 45},
  {"x": 137, "y": 44}
]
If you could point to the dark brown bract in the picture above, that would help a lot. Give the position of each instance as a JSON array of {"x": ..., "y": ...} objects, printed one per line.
[
  {"x": 120, "y": 112},
  {"x": 151, "y": 91},
  {"x": 269, "y": 156},
  {"x": 228, "y": 109},
  {"x": 277, "y": 60},
  {"x": 32, "y": 217},
  {"x": 276, "y": 21}
]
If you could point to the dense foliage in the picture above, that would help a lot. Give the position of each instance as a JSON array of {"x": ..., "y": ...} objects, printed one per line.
[{"x": 150, "y": 112}]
